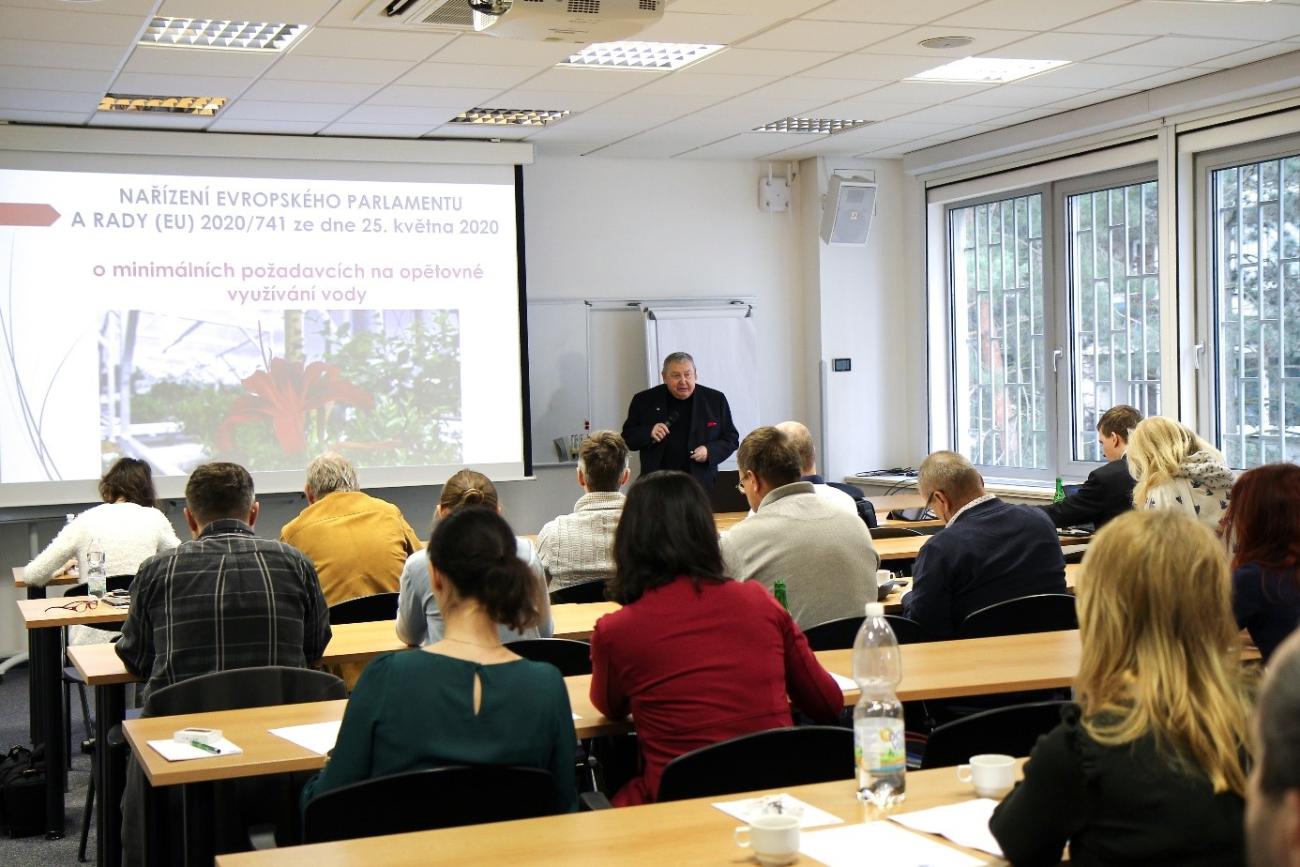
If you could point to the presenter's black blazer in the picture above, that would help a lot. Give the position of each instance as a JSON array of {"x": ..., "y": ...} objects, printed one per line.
[
  {"x": 710, "y": 426},
  {"x": 1107, "y": 494}
]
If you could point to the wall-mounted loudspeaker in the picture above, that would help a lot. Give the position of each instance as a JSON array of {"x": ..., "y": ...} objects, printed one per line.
[{"x": 847, "y": 210}]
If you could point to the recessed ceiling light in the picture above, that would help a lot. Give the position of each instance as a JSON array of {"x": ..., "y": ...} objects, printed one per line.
[
  {"x": 225, "y": 35},
  {"x": 981, "y": 70},
  {"x": 509, "y": 116},
  {"x": 640, "y": 55},
  {"x": 199, "y": 106},
  {"x": 1216, "y": 1},
  {"x": 811, "y": 125},
  {"x": 941, "y": 42}
]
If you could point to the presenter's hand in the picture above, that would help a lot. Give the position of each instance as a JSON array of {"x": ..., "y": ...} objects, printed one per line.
[
  {"x": 658, "y": 432},
  {"x": 700, "y": 455}
]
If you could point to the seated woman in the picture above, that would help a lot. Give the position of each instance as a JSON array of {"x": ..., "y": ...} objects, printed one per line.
[
  {"x": 465, "y": 699},
  {"x": 1176, "y": 469},
  {"x": 419, "y": 619},
  {"x": 694, "y": 656},
  {"x": 128, "y": 525},
  {"x": 1262, "y": 528},
  {"x": 1150, "y": 767}
]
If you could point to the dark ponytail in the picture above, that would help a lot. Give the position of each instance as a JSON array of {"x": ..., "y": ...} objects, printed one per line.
[{"x": 475, "y": 549}]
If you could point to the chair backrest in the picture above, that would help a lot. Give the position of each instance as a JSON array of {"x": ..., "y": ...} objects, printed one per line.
[
  {"x": 771, "y": 759},
  {"x": 112, "y": 582},
  {"x": 570, "y": 657},
  {"x": 1042, "y": 612},
  {"x": 589, "y": 591},
  {"x": 244, "y": 687},
  {"x": 423, "y": 800},
  {"x": 906, "y": 630},
  {"x": 1012, "y": 731},
  {"x": 364, "y": 609},
  {"x": 895, "y": 532},
  {"x": 835, "y": 634}
]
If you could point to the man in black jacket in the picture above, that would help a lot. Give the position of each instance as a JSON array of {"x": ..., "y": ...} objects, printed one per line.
[
  {"x": 1108, "y": 492},
  {"x": 681, "y": 425}
]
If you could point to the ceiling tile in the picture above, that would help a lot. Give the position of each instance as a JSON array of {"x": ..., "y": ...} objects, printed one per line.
[
  {"x": 479, "y": 133},
  {"x": 594, "y": 80},
  {"x": 41, "y": 78},
  {"x": 1029, "y": 14},
  {"x": 549, "y": 100},
  {"x": 702, "y": 28},
  {"x": 754, "y": 61},
  {"x": 375, "y": 130},
  {"x": 428, "y": 116},
  {"x": 49, "y": 100},
  {"x": 178, "y": 85},
  {"x": 288, "y": 11},
  {"x": 293, "y": 68},
  {"x": 503, "y": 52},
  {"x": 19, "y": 115},
  {"x": 869, "y": 66},
  {"x": 308, "y": 91},
  {"x": 923, "y": 93},
  {"x": 745, "y": 146},
  {"x": 442, "y": 97},
  {"x": 836, "y": 36},
  {"x": 984, "y": 42},
  {"x": 262, "y": 110},
  {"x": 182, "y": 61},
  {"x": 277, "y": 127},
  {"x": 910, "y": 12},
  {"x": 465, "y": 75},
  {"x": 771, "y": 8},
  {"x": 814, "y": 91},
  {"x": 953, "y": 113},
  {"x": 1068, "y": 46},
  {"x": 68, "y": 24},
  {"x": 370, "y": 44},
  {"x": 1020, "y": 95},
  {"x": 1177, "y": 51},
  {"x": 134, "y": 120},
  {"x": 1260, "y": 21},
  {"x": 112, "y": 7},
  {"x": 1250, "y": 55},
  {"x": 864, "y": 108},
  {"x": 690, "y": 82},
  {"x": 1169, "y": 77},
  {"x": 1090, "y": 75},
  {"x": 65, "y": 55}
]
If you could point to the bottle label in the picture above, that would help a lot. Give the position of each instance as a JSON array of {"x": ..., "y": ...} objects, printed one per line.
[{"x": 879, "y": 746}]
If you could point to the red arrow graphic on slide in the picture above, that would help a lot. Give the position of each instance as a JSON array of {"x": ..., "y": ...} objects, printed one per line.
[{"x": 24, "y": 214}]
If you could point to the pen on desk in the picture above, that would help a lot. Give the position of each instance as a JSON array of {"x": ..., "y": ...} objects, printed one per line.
[{"x": 207, "y": 748}]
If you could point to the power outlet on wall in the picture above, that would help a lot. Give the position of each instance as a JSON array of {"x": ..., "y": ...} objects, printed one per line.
[{"x": 773, "y": 195}]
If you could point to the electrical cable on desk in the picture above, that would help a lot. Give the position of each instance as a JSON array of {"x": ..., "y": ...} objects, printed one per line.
[{"x": 892, "y": 471}]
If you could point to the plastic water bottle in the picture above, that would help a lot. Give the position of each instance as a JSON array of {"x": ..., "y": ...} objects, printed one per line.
[
  {"x": 96, "y": 573},
  {"x": 879, "y": 747}
]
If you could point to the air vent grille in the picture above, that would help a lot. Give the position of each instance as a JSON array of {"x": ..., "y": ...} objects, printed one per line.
[
  {"x": 648, "y": 5},
  {"x": 450, "y": 15},
  {"x": 584, "y": 7}
]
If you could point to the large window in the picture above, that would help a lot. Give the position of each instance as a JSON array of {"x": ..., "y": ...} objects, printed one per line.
[
  {"x": 1025, "y": 321},
  {"x": 1256, "y": 275}
]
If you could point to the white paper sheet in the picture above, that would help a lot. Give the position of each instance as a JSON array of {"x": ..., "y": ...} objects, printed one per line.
[
  {"x": 575, "y": 716},
  {"x": 747, "y": 808},
  {"x": 880, "y": 843},
  {"x": 179, "y": 752},
  {"x": 319, "y": 738},
  {"x": 965, "y": 823},
  {"x": 846, "y": 684}
]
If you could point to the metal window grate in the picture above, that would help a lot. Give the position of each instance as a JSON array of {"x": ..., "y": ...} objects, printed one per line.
[
  {"x": 1256, "y": 274},
  {"x": 1114, "y": 268},
  {"x": 996, "y": 271}
]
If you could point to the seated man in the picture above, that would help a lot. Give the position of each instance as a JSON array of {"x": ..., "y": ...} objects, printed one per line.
[
  {"x": 1273, "y": 798},
  {"x": 1108, "y": 492},
  {"x": 226, "y": 599},
  {"x": 989, "y": 551},
  {"x": 579, "y": 547},
  {"x": 357, "y": 543},
  {"x": 820, "y": 549},
  {"x": 801, "y": 439}
]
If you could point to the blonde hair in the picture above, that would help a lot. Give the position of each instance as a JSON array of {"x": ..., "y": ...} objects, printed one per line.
[
  {"x": 1160, "y": 652},
  {"x": 468, "y": 488},
  {"x": 1157, "y": 448}
]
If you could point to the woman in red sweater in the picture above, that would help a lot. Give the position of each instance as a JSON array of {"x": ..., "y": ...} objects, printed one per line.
[{"x": 694, "y": 656}]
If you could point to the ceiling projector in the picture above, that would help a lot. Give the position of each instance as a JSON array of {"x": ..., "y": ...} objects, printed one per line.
[{"x": 581, "y": 21}]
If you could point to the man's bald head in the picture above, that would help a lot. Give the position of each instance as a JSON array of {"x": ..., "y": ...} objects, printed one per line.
[
  {"x": 952, "y": 476},
  {"x": 802, "y": 442}
]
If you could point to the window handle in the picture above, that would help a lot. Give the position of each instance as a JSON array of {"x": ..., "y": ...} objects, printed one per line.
[
  {"x": 1198, "y": 352},
  {"x": 1056, "y": 359}
]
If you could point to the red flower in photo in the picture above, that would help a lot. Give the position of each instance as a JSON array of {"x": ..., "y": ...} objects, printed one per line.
[{"x": 283, "y": 394}]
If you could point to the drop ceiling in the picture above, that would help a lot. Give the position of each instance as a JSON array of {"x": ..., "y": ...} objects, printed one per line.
[{"x": 844, "y": 59}]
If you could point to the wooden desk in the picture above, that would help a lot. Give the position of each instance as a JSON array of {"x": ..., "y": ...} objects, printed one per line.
[
  {"x": 678, "y": 833},
  {"x": 577, "y": 620},
  {"x": 56, "y": 581},
  {"x": 727, "y": 520}
]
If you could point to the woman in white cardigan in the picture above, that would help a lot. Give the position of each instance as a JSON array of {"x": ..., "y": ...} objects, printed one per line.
[
  {"x": 127, "y": 525},
  {"x": 1176, "y": 469}
]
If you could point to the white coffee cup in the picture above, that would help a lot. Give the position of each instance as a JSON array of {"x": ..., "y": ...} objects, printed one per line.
[
  {"x": 773, "y": 837},
  {"x": 993, "y": 774},
  {"x": 883, "y": 577}
]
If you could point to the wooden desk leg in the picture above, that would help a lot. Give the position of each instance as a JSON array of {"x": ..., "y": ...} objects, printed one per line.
[
  {"x": 110, "y": 774},
  {"x": 35, "y": 718},
  {"x": 49, "y": 645},
  {"x": 199, "y": 819}
]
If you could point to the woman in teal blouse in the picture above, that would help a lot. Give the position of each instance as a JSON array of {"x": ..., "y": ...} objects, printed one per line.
[{"x": 466, "y": 699}]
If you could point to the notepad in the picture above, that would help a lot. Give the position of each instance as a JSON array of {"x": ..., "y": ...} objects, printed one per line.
[
  {"x": 319, "y": 738},
  {"x": 746, "y": 809},
  {"x": 846, "y": 684},
  {"x": 182, "y": 752},
  {"x": 880, "y": 843},
  {"x": 965, "y": 823}
]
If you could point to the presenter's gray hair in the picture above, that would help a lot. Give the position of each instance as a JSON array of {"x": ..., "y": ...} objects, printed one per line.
[
  {"x": 951, "y": 473},
  {"x": 329, "y": 473},
  {"x": 1278, "y": 718},
  {"x": 678, "y": 358}
]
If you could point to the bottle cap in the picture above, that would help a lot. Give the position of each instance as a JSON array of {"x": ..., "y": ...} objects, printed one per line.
[{"x": 875, "y": 609}]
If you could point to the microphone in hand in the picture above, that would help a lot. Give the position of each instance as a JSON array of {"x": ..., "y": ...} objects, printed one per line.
[{"x": 671, "y": 419}]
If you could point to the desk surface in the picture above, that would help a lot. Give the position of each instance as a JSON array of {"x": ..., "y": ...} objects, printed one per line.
[
  {"x": 56, "y": 581},
  {"x": 42, "y": 613},
  {"x": 679, "y": 832}
]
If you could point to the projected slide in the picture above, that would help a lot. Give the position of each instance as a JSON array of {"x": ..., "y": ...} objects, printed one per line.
[{"x": 185, "y": 319}]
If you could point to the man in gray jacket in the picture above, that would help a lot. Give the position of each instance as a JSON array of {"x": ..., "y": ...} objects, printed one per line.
[{"x": 821, "y": 550}]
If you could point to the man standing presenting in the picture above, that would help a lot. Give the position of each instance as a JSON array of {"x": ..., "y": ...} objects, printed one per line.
[
  {"x": 681, "y": 425},
  {"x": 1108, "y": 492}
]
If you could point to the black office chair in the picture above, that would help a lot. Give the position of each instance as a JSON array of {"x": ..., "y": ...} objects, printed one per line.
[
  {"x": 268, "y": 804},
  {"x": 590, "y": 591},
  {"x": 839, "y": 634},
  {"x": 364, "y": 609},
  {"x": 569, "y": 656},
  {"x": 895, "y": 532},
  {"x": 772, "y": 759},
  {"x": 1012, "y": 731},
  {"x": 1042, "y": 612},
  {"x": 434, "y": 798}
]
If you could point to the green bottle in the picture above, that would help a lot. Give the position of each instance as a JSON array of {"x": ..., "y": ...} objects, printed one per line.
[
  {"x": 778, "y": 590},
  {"x": 1060, "y": 491}
]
